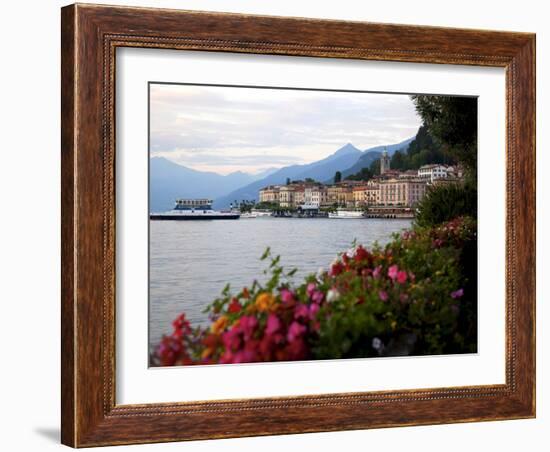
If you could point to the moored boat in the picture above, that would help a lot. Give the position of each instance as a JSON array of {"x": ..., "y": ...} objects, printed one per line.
[
  {"x": 262, "y": 212},
  {"x": 248, "y": 215},
  {"x": 195, "y": 209},
  {"x": 346, "y": 214}
]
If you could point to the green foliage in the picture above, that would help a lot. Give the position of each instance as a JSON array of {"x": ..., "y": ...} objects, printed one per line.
[
  {"x": 266, "y": 205},
  {"x": 423, "y": 150},
  {"x": 375, "y": 167},
  {"x": 364, "y": 175},
  {"x": 451, "y": 120},
  {"x": 445, "y": 202},
  {"x": 422, "y": 314}
]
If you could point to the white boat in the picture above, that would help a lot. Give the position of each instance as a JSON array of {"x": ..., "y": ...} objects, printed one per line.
[
  {"x": 262, "y": 212},
  {"x": 346, "y": 214},
  {"x": 248, "y": 215},
  {"x": 195, "y": 209}
]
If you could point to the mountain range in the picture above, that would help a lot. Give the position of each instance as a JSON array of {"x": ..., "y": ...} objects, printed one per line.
[
  {"x": 169, "y": 181},
  {"x": 372, "y": 154}
]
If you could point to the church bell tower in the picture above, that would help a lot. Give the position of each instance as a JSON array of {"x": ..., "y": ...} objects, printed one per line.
[{"x": 384, "y": 161}]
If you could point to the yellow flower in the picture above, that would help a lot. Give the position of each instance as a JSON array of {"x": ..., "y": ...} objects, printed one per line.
[
  {"x": 219, "y": 325},
  {"x": 206, "y": 353},
  {"x": 265, "y": 302}
]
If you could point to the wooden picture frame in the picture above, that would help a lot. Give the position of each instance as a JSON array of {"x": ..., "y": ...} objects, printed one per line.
[{"x": 90, "y": 36}]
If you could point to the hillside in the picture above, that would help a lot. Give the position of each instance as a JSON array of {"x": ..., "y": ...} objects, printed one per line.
[
  {"x": 371, "y": 154},
  {"x": 323, "y": 169}
]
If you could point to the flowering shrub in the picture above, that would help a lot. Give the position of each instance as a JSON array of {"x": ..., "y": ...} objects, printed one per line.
[{"x": 416, "y": 296}]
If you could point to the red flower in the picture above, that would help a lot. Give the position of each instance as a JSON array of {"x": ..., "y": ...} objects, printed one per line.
[
  {"x": 361, "y": 254},
  {"x": 336, "y": 269},
  {"x": 234, "y": 306}
]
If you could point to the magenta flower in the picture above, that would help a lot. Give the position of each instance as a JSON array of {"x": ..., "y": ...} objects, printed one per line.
[
  {"x": 310, "y": 289},
  {"x": 383, "y": 295},
  {"x": 401, "y": 277},
  {"x": 287, "y": 296},
  {"x": 296, "y": 330},
  {"x": 248, "y": 323},
  {"x": 313, "y": 310},
  {"x": 318, "y": 296},
  {"x": 377, "y": 272},
  {"x": 301, "y": 312},
  {"x": 273, "y": 324},
  {"x": 393, "y": 271},
  {"x": 457, "y": 293}
]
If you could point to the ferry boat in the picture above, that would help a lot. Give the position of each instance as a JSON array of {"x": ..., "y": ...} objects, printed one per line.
[
  {"x": 346, "y": 214},
  {"x": 195, "y": 209}
]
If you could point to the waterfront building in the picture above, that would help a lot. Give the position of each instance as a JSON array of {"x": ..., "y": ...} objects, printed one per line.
[
  {"x": 315, "y": 196},
  {"x": 384, "y": 162},
  {"x": 402, "y": 191},
  {"x": 286, "y": 196},
  {"x": 432, "y": 172},
  {"x": 269, "y": 194},
  {"x": 372, "y": 194},
  {"x": 299, "y": 195},
  {"x": 359, "y": 195}
]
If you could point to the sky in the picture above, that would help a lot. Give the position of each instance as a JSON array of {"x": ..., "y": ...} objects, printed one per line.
[{"x": 228, "y": 129}]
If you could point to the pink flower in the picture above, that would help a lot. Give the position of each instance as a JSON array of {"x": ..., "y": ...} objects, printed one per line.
[
  {"x": 383, "y": 295},
  {"x": 231, "y": 339},
  {"x": 317, "y": 296},
  {"x": 287, "y": 296},
  {"x": 401, "y": 277},
  {"x": 392, "y": 272},
  {"x": 273, "y": 324},
  {"x": 313, "y": 310},
  {"x": 377, "y": 272},
  {"x": 457, "y": 293},
  {"x": 310, "y": 289},
  {"x": 295, "y": 331},
  {"x": 248, "y": 323},
  {"x": 301, "y": 311}
]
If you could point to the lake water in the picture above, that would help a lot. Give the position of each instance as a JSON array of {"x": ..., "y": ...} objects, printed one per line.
[{"x": 191, "y": 261}]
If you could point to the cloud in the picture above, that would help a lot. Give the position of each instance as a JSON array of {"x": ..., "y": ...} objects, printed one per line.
[{"x": 230, "y": 128}]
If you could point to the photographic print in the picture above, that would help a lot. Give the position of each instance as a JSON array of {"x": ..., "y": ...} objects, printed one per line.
[{"x": 294, "y": 224}]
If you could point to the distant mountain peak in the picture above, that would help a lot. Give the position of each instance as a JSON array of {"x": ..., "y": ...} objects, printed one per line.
[{"x": 346, "y": 149}]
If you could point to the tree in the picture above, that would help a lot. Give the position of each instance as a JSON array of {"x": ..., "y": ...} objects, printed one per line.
[
  {"x": 399, "y": 161},
  {"x": 446, "y": 202},
  {"x": 375, "y": 167},
  {"x": 288, "y": 180},
  {"x": 452, "y": 121},
  {"x": 364, "y": 175},
  {"x": 337, "y": 177}
]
